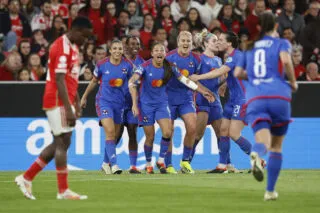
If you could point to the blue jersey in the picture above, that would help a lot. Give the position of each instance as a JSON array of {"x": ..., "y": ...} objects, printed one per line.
[
  {"x": 236, "y": 86},
  {"x": 263, "y": 65},
  {"x": 209, "y": 64},
  {"x": 113, "y": 78},
  {"x": 178, "y": 93},
  {"x": 128, "y": 100},
  {"x": 152, "y": 90}
]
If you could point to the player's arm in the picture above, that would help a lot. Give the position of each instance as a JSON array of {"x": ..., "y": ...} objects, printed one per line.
[
  {"x": 63, "y": 95},
  {"x": 78, "y": 106},
  {"x": 93, "y": 83},
  {"x": 240, "y": 73},
  {"x": 132, "y": 84},
  {"x": 288, "y": 65},
  {"x": 217, "y": 73}
]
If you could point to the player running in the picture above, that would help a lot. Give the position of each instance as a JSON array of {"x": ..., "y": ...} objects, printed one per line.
[
  {"x": 113, "y": 72},
  {"x": 233, "y": 120},
  {"x": 268, "y": 99},
  {"x": 181, "y": 99},
  {"x": 208, "y": 113},
  {"x": 130, "y": 121},
  {"x": 153, "y": 101},
  {"x": 62, "y": 106}
]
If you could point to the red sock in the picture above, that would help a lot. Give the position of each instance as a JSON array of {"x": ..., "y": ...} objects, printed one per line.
[
  {"x": 62, "y": 176},
  {"x": 34, "y": 169}
]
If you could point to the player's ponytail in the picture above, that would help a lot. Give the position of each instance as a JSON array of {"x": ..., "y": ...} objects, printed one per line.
[
  {"x": 267, "y": 22},
  {"x": 167, "y": 71},
  {"x": 232, "y": 38}
]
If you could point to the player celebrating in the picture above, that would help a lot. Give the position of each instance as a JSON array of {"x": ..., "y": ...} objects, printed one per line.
[
  {"x": 153, "y": 100},
  {"x": 268, "y": 98},
  {"x": 232, "y": 122},
  {"x": 62, "y": 106},
  {"x": 113, "y": 72},
  {"x": 208, "y": 113},
  {"x": 130, "y": 121},
  {"x": 181, "y": 98}
]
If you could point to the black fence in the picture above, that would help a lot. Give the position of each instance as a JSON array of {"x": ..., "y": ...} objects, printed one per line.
[{"x": 25, "y": 100}]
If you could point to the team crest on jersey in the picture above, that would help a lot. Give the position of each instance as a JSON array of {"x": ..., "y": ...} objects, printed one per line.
[
  {"x": 229, "y": 59},
  {"x": 145, "y": 119},
  {"x": 124, "y": 70},
  {"x": 105, "y": 112},
  {"x": 107, "y": 72},
  {"x": 191, "y": 64}
]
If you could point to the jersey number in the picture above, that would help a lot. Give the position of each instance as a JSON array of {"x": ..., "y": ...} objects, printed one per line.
[{"x": 260, "y": 68}]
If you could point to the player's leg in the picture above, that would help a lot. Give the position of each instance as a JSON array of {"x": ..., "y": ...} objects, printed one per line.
[
  {"x": 166, "y": 130},
  {"x": 133, "y": 148},
  {"x": 120, "y": 134},
  {"x": 202, "y": 120},
  {"x": 168, "y": 158},
  {"x": 149, "y": 132}
]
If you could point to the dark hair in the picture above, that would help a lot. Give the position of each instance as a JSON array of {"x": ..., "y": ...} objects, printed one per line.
[
  {"x": 87, "y": 7},
  {"x": 81, "y": 22},
  {"x": 144, "y": 18},
  {"x": 155, "y": 30},
  {"x": 124, "y": 11},
  {"x": 267, "y": 22},
  {"x": 168, "y": 73},
  {"x": 198, "y": 23},
  {"x": 183, "y": 20},
  {"x": 232, "y": 38},
  {"x": 95, "y": 49},
  {"x": 221, "y": 13},
  {"x": 131, "y": 37},
  {"x": 159, "y": 16}
]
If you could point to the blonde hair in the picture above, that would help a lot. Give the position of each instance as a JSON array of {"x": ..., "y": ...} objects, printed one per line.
[
  {"x": 186, "y": 33},
  {"x": 202, "y": 37}
]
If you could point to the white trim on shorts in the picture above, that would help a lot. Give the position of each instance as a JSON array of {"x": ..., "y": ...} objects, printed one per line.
[{"x": 58, "y": 121}]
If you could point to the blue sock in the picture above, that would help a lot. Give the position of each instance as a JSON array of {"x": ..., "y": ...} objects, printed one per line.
[
  {"x": 168, "y": 159},
  {"x": 148, "y": 152},
  {"x": 224, "y": 149},
  {"x": 259, "y": 148},
  {"x": 106, "y": 159},
  {"x": 194, "y": 149},
  {"x": 164, "y": 145},
  {"x": 111, "y": 151},
  {"x": 186, "y": 153},
  {"x": 244, "y": 144},
  {"x": 133, "y": 157},
  {"x": 228, "y": 158},
  {"x": 274, "y": 167}
]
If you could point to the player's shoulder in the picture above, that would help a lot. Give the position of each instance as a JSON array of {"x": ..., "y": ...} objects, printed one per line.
[
  {"x": 172, "y": 53},
  {"x": 139, "y": 60},
  {"x": 146, "y": 63},
  {"x": 126, "y": 61},
  {"x": 103, "y": 61},
  {"x": 196, "y": 56}
]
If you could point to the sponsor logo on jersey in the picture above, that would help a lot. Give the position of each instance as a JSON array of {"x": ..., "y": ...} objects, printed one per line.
[
  {"x": 116, "y": 82},
  {"x": 157, "y": 83}
]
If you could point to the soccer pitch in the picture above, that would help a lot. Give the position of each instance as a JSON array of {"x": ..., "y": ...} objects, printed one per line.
[{"x": 299, "y": 191}]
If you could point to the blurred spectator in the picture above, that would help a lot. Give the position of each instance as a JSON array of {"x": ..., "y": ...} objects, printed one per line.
[
  {"x": 252, "y": 21},
  {"x": 39, "y": 45},
  {"x": 99, "y": 54},
  {"x": 42, "y": 20},
  {"x": 217, "y": 31},
  {"x": 165, "y": 19},
  {"x": 244, "y": 39},
  {"x": 28, "y": 9},
  {"x": 182, "y": 25},
  {"x": 24, "y": 75},
  {"x": 73, "y": 13},
  {"x": 37, "y": 72},
  {"x": 214, "y": 8},
  {"x": 10, "y": 67},
  {"x": 111, "y": 8},
  {"x": 193, "y": 16},
  {"x": 3, "y": 5},
  {"x": 14, "y": 25},
  {"x": 1, "y": 44},
  {"x": 290, "y": 36},
  {"x": 122, "y": 28},
  {"x": 136, "y": 20},
  {"x": 59, "y": 9},
  {"x": 134, "y": 32},
  {"x": 311, "y": 74},
  {"x": 313, "y": 12},
  {"x": 299, "y": 69},
  {"x": 24, "y": 49},
  {"x": 179, "y": 9},
  {"x": 146, "y": 35},
  {"x": 241, "y": 10},
  {"x": 302, "y": 6},
  {"x": 290, "y": 19},
  {"x": 95, "y": 10},
  {"x": 149, "y": 7},
  {"x": 228, "y": 20},
  {"x": 58, "y": 29},
  {"x": 275, "y": 7},
  {"x": 159, "y": 35},
  {"x": 88, "y": 51}
]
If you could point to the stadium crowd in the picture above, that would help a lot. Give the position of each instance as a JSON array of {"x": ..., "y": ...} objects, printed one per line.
[{"x": 28, "y": 27}]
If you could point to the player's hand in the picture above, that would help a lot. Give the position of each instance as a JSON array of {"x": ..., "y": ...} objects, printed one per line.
[
  {"x": 135, "y": 110},
  {"x": 194, "y": 77},
  {"x": 71, "y": 117},
  {"x": 78, "y": 111},
  {"x": 209, "y": 96},
  {"x": 294, "y": 87},
  {"x": 222, "y": 90},
  {"x": 83, "y": 102}
]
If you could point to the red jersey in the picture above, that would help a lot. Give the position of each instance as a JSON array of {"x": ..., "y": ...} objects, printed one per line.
[
  {"x": 16, "y": 26},
  {"x": 63, "y": 58},
  {"x": 60, "y": 9}
]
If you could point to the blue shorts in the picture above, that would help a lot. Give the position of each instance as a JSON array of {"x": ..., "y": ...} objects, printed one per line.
[
  {"x": 109, "y": 111},
  {"x": 128, "y": 117},
  {"x": 234, "y": 111},
  {"x": 151, "y": 113},
  {"x": 273, "y": 114},
  {"x": 214, "y": 112},
  {"x": 182, "y": 109}
]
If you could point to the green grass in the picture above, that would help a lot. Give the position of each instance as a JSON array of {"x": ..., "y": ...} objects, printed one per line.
[{"x": 299, "y": 191}]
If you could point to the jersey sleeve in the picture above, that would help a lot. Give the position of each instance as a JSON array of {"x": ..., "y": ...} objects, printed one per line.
[
  {"x": 285, "y": 46},
  {"x": 140, "y": 70},
  {"x": 97, "y": 71},
  {"x": 231, "y": 61},
  {"x": 61, "y": 62},
  {"x": 175, "y": 71},
  {"x": 242, "y": 61}
]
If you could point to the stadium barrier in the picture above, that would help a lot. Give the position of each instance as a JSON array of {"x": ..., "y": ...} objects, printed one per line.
[{"x": 24, "y": 132}]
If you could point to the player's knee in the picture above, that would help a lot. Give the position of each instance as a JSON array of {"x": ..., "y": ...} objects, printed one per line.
[
  {"x": 224, "y": 131},
  {"x": 234, "y": 134},
  {"x": 149, "y": 138},
  {"x": 191, "y": 130}
]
